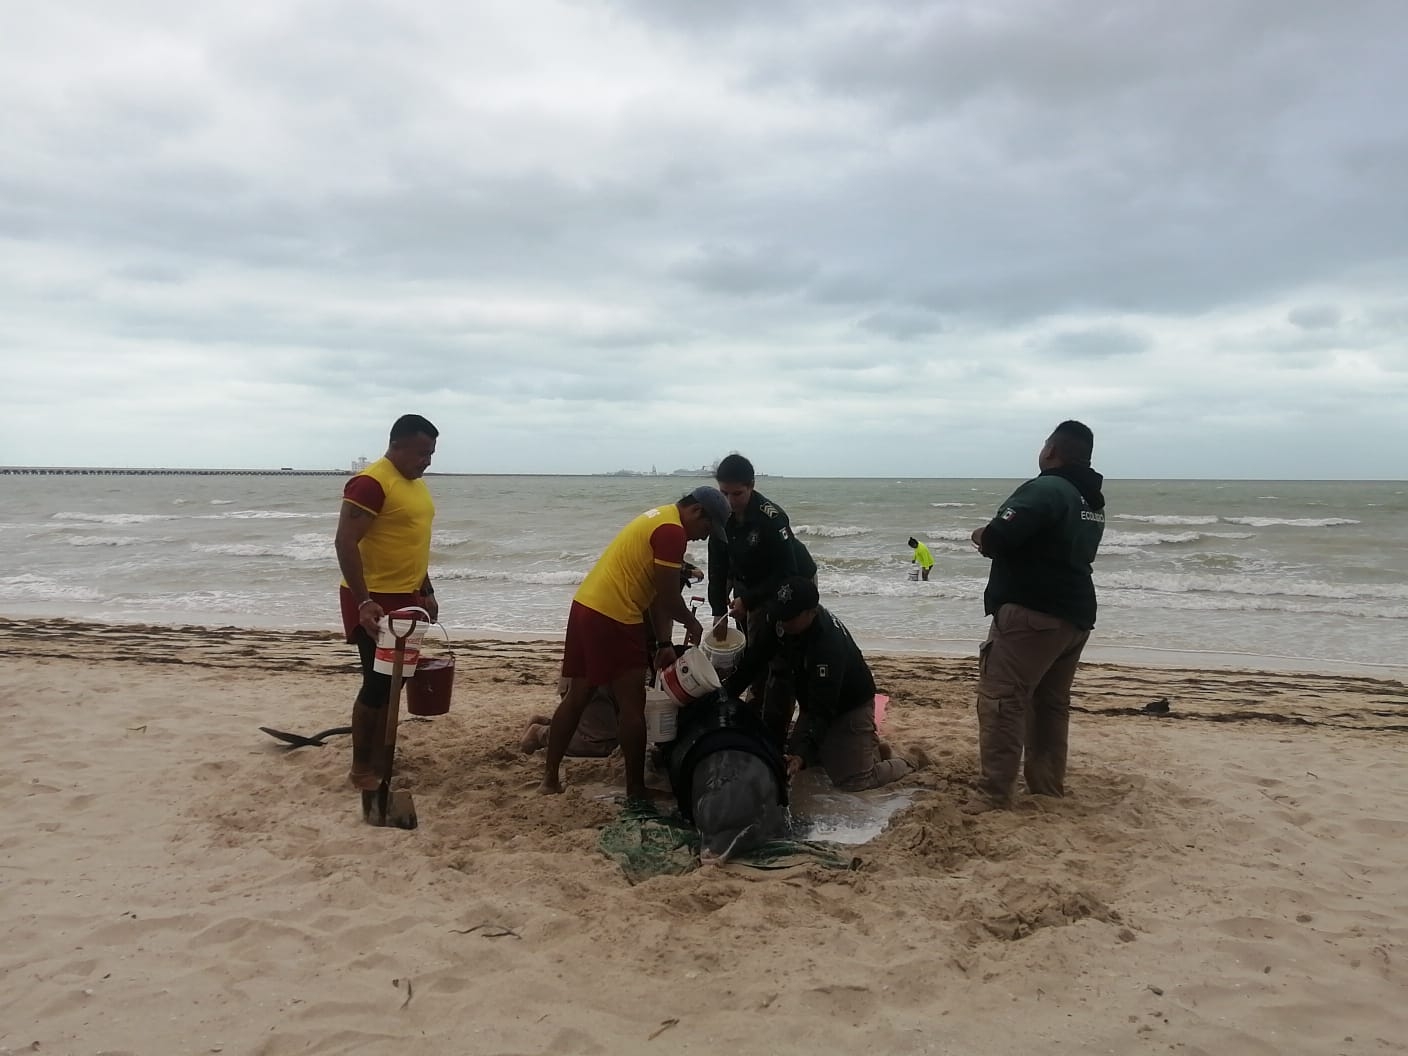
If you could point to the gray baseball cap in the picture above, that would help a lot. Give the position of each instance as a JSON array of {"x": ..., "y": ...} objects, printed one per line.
[{"x": 715, "y": 505}]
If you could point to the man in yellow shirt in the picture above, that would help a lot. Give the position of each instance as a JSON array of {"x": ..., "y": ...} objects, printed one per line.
[
  {"x": 383, "y": 550},
  {"x": 638, "y": 575},
  {"x": 922, "y": 556}
]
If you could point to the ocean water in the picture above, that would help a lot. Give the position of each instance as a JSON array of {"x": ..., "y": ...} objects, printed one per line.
[{"x": 1300, "y": 575}]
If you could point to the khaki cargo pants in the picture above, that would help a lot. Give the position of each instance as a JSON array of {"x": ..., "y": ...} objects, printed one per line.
[
  {"x": 1025, "y": 671},
  {"x": 854, "y": 756}
]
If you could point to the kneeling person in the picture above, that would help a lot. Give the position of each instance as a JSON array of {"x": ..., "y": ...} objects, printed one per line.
[
  {"x": 596, "y": 734},
  {"x": 835, "y": 691}
]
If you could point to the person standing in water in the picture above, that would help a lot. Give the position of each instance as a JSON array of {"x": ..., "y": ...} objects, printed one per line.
[{"x": 922, "y": 557}]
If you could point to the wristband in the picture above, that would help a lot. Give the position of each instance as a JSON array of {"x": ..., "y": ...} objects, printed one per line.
[{"x": 363, "y": 605}]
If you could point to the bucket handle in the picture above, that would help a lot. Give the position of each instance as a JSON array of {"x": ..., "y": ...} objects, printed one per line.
[{"x": 447, "y": 637}]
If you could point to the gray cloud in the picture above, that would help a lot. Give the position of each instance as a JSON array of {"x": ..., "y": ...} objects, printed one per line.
[
  {"x": 1095, "y": 343},
  {"x": 859, "y": 235},
  {"x": 1314, "y": 317}
]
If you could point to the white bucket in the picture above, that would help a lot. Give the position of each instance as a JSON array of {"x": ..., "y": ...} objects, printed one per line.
[
  {"x": 726, "y": 654},
  {"x": 914, "y": 572},
  {"x": 388, "y": 628},
  {"x": 690, "y": 677},
  {"x": 661, "y": 716}
]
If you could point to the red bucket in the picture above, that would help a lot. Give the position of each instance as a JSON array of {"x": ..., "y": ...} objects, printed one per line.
[{"x": 428, "y": 693}]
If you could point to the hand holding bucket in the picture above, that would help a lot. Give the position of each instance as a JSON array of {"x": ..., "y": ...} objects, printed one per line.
[
  {"x": 690, "y": 677},
  {"x": 724, "y": 647}
]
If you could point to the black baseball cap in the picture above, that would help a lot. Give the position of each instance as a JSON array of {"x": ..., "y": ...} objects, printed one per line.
[{"x": 796, "y": 596}]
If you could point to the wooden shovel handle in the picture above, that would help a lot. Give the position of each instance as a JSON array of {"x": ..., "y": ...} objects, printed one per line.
[{"x": 393, "y": 708}]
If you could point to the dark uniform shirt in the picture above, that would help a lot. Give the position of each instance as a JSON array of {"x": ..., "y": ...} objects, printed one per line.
[
  {"x": 830, "y": 674},
  {"x": 1042, "y": 542},
  {"x": 759, "y": 554}
]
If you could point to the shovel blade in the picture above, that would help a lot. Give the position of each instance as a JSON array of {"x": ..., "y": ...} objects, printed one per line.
[
  {"x": 389, "y": 809},
  {"x": 401, "y": 813}
]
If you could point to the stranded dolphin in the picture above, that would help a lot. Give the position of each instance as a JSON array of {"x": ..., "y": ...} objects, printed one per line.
[{"x": 728, "y": 776}]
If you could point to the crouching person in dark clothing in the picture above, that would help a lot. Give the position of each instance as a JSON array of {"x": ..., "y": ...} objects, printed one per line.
[
  {"x": 835, "y": 691},
  {"x": 728, "y": 776}
]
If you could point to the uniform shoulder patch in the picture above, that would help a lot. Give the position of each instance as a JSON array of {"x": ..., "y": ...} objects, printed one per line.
[
  {"x": 1008, "y": 514},
  {"x": 823, "y": 670},
  {"x": 769, "y": 510}
]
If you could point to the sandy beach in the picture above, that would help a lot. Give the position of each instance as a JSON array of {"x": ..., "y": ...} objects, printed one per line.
[{"x": 1229, "y": 878}]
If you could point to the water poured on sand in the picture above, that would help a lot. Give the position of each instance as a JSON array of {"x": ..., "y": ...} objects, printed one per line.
[{"x": 820, "y": 812}]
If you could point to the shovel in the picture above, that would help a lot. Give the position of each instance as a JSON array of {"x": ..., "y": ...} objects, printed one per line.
[
  {"x": 384, "y": 807},
  {"x": 297, "y": 740}
]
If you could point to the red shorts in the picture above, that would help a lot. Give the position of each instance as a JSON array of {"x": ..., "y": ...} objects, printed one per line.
[
  {"x": 350, "y": 617},
  {"x": 599, "y": 648}
]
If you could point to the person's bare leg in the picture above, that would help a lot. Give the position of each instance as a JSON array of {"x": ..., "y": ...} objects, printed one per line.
[
  {"x": 368, "y": 739},
  {"x": 563, "y": 726},
  {"x": 629, "y": 691}
]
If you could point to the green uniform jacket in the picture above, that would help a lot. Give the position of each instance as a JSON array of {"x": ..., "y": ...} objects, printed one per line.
[
  {"x": 1042, "y": 542},
  {"x": 829, "y": 672},
  {"x": 759, "y": 553}
]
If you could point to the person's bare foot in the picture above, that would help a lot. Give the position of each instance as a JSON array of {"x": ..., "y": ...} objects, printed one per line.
[
  {"x": 534, "y": 737},
  {"x": 551, "y": 786}
]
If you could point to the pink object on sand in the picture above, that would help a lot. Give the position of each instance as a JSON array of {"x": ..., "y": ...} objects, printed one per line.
[{"x": 880, "y": 701}]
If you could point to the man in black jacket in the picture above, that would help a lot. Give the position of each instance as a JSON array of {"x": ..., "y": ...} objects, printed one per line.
[
  {"x": 757, "y": 554},
  {"x": 1041, "y": 598},
  {"x": 835, "y": 690}
]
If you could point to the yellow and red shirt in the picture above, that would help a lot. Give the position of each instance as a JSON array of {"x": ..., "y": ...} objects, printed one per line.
[
  {"x": 396, "y": 549},
  {"x": 621, "y": 585}
]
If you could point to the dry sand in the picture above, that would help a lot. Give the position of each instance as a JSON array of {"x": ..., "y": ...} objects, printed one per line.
[{"x": 1232, "y": 878}]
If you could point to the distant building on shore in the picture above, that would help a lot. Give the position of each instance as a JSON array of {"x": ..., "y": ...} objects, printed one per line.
[{"x": 359, "y": 464}]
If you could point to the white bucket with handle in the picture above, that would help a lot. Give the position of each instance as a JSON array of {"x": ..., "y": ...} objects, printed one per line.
[
  {"x": 690, "y": 677},
  {"x": 914, "y": 573},
  {"x": 410, "y": 622},
  {"x": 726, "y": 654}
]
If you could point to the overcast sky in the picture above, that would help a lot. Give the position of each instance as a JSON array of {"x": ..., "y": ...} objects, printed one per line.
[{"x": 864, "y": 237}]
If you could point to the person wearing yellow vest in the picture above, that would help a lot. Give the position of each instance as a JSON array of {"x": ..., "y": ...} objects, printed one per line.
[
  {"x": 922, "y": 557},
  {"x": 383, "y": 550},
  {"x": 637, "y": 576}
]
